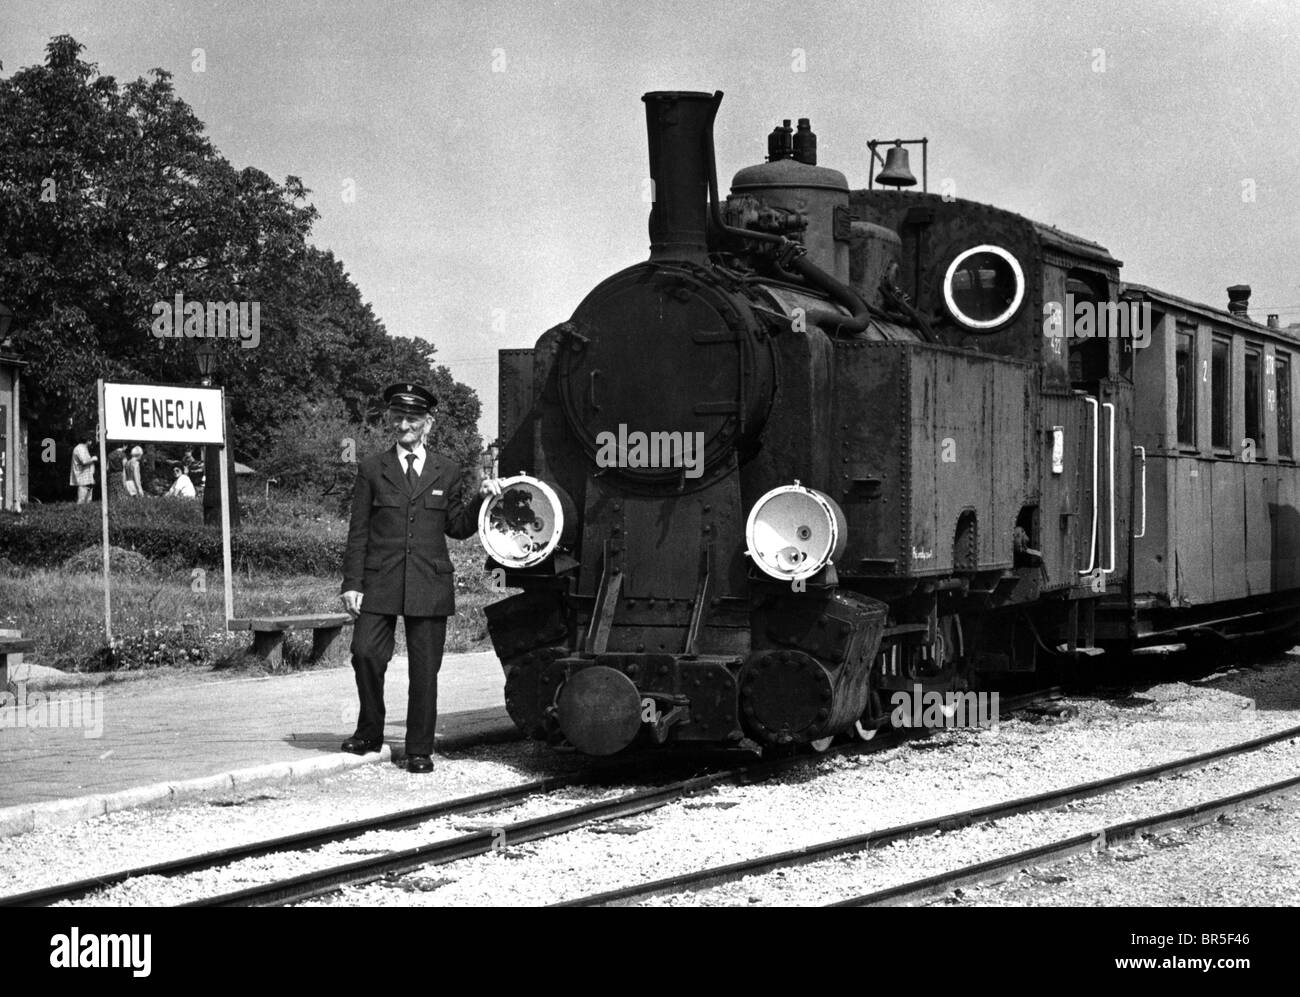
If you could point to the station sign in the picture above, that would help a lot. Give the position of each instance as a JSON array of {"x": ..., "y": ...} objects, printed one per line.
[{"x": 159, "y": 413}]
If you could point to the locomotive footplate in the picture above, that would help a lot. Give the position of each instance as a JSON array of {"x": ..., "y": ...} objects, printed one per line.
[{"x": 604, "y": 702}]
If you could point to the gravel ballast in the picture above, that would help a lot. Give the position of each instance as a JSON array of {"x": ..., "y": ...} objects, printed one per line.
[{"x": 824, "y": 798}]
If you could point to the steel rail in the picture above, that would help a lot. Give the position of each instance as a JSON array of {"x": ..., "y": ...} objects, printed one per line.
[
  {"x": 302, "y": 840},
  {"x": 717, "y": 875},
  {"x": 1197, "y": 813},
  {"x": 316, "y": 838},
  {"x": 327, "y": 880},
  {"x": 313, "y": 884}
]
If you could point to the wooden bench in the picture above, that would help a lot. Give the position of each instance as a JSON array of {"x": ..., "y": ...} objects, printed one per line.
[
  {"x": 269, "y": 631},
  {"x": 8, "y": 646}
]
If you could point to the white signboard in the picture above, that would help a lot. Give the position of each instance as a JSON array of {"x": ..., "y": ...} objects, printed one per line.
[{"x": 162, "y": 413}]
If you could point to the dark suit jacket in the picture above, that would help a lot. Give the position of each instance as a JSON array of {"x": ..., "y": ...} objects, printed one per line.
[{"x": 397, "y": 539}]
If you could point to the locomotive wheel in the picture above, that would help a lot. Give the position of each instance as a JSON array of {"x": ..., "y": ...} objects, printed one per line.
[
  {"x": 865, "y": 732},
  {"x": 872, "y": 720}
]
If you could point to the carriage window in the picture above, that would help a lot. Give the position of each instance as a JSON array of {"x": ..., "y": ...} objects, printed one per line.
[
  {"x": 1254, "y": 397},
  {"x": 1283, "y": 370},
  {"x": 1185, "y": 374},
  {"x": 1220, "y": 394}
]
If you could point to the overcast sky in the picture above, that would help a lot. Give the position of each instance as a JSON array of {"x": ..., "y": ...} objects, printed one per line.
[{"x": 498, "y": 149}]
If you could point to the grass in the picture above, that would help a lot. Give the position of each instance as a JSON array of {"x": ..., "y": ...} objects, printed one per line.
[{"x": 165, "y": 617}]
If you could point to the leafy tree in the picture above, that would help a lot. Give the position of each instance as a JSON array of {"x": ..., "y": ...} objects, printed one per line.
[{"x": 112, "y": 200}]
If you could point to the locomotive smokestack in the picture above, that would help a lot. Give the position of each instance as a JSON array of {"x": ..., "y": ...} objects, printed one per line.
[{"x": 677, "y": 124}]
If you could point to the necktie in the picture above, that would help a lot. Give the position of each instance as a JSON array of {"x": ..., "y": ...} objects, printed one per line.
[{"x": 411, "y": 476}]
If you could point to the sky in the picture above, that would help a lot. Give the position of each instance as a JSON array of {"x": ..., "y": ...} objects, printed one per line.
[{"x": 498, "y": 156}]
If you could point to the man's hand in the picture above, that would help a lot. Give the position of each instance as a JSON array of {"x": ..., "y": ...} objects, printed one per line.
[
  {"x": 490, "y": 486},
  {"x": 351, "y": 603}
]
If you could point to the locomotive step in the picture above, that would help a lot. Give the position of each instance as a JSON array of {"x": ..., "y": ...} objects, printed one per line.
[{"x": 1088, "y": 652}]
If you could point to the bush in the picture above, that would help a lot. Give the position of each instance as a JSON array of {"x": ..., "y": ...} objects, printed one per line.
[
  {"x": 171, "y": 532},
  {"x": 155, "y": 647},
  {"x": 121, "y": 562}
]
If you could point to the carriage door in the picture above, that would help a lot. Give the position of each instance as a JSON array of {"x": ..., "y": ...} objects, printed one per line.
[{"x": 1101, "y": 371}]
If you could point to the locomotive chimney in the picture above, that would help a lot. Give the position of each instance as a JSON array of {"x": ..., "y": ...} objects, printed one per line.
[
  {"x": 780, "y": 144},
  {"x": 677, "y": 124},
  {"x": 1239, "y": 300},
  {"x": 805, "y": 143}
]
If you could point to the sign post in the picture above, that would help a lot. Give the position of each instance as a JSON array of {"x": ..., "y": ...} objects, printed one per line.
[
  {"x": 163, "y": 413},
  {"x": 226, "y": 573},
  {"x": 103, "y": 504}
]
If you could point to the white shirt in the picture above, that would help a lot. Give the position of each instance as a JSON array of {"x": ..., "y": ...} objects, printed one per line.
[
  {"x": 419, "y": 458},
  {"x": 183, "y": 487}
]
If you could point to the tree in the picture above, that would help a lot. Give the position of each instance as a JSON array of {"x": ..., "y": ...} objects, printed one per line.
[{"x": 112, "y": 201}]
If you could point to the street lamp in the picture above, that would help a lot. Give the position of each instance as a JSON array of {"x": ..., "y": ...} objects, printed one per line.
[
  {"x": 488, "y": 459},
  {"x": 207, "y": 357}
]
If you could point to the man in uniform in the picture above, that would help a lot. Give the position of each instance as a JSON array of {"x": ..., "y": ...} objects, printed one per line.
[{"x": 405, "y": 503}]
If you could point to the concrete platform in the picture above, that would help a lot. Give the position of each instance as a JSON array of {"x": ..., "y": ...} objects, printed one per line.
[{"x": 71, "y": 753}]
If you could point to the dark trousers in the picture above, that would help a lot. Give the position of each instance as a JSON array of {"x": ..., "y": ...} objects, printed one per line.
[{"x": 372, "y": 647}]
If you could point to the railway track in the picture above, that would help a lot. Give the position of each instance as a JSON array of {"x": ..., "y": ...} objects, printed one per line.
[
  {"x": 301, "y": 841},
  {"x": 326, "y": 880},
  {"x": 717, "y": 875},
  {"x": 319, "y": 837},
  {"x": 1056, "y": 851}
]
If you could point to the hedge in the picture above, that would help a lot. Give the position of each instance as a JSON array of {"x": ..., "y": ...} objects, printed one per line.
[{"x": 171, "y": 532}]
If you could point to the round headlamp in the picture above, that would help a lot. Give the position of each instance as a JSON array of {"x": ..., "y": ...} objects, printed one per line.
[
  {"x": 794, "y": 532},
  {"x": 521, "y": 527}
]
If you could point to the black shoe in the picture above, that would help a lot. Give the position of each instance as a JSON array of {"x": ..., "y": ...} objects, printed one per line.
[
  {"x": 419, "y": 764},
  {"x": 358, "y": 746}
]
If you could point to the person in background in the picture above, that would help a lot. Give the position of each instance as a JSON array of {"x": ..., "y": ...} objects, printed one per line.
[
  {"x": 182, "y": 486},
  {"x": 116, "y": 461},
  {"x": 82, "y": 475},
  {"x": 131, "y": 473}
]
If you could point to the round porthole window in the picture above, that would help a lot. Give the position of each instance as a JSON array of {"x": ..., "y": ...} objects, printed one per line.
[{"x": 984, "y": 287}]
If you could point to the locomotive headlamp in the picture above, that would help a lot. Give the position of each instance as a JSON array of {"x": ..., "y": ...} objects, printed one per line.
[
  {"x": 793, "y": 532},
  {"x": 984, "y": 287},
  {"x": 521, "y": 527}
]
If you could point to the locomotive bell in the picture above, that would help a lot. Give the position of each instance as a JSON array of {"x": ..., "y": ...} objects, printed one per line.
[{"x": 896, "y": 173}]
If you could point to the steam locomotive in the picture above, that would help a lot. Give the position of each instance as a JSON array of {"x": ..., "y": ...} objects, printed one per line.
[{"x": 827, "y": 444}]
